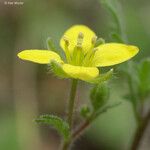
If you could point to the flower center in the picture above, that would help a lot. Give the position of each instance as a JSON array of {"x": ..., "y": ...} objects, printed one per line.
[{"x": 78, "y": 57}]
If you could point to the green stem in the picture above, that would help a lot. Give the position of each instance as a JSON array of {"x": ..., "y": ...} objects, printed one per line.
[
  {"x": 66, "y": 144},
  {"x": 71, "y": 102}
]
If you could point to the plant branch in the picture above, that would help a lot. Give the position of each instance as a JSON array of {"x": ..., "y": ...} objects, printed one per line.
[{"x": 82, "y": 127}]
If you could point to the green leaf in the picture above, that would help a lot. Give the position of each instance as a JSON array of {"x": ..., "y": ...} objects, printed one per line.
[
  {"x": 60, "y": 125},
  {"x": 56, "y": 68},
  {"x": 99, "y": 96}
]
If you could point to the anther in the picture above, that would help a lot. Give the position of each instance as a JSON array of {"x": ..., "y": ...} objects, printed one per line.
[
  {"x": 80, "y": 39},
  {"x": 66, "y": 40},
  {"x": 68, "y": 57},
  {"x": 95, "y": 49},
  {"x": 94, "y": 39}
]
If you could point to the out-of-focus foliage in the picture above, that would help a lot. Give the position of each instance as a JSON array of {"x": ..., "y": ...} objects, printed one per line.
[
  {"x": 137, "y": 77},
  {"x": 118, "y": 23},
  {"x": 143, "y": 71}
]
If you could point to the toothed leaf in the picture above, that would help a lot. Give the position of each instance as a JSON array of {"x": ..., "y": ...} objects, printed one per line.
[{"x": 60, "y": 125}]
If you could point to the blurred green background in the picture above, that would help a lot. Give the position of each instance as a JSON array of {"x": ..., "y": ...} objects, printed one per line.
[{"x": 27, "y": 90}]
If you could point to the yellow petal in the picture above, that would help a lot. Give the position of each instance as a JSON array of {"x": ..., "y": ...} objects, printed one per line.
[
  {"x": 113, "y": 53},
  {"x": 39, "y": 56},
  {"x": 72, "y": 33},
  {"x": 80, "y": 72}
]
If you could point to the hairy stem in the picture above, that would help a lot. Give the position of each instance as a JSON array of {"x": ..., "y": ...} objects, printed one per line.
[
  {"x": 71, "y": 102},
  {"x": 66, "y": 144}
]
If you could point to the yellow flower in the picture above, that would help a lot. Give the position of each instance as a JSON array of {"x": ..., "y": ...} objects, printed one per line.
[{"x": 83, "y": 54}]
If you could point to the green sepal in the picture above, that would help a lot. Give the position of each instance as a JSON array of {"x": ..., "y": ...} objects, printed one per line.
[
  {"x": 56, "y": 68},
  {"x": 102, "y": 77},
  {"x": 99, "y": 96},
  {"x": 50, "y": 44},
  {"x": 60, "y": 125},
  {"x": 99, "y": 41},
  {"x": 85, "y": 111}
]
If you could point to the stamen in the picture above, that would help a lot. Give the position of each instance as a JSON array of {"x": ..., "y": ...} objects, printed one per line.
[
  {"x": 80, "y": 39},
  {"x": 66, "y": 41},
  {"x": 67, "y": 52},
  {"x": 94, "y": 39},
  {"x": 78, "y": 50},
  {"x": 95, "y": 49},
  {"x": 89, "y": 57}
]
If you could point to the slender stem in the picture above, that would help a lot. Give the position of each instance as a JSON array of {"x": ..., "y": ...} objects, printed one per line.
[
  {"x": 80, "y": 129},
  {"x": 134, "y": 101},
  {"x": 140, "y": 132},
  {"x": 66, "y": 144},
  {"x": 71, "y": 102}
]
